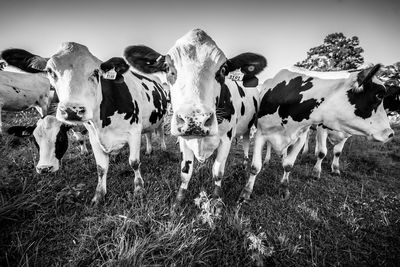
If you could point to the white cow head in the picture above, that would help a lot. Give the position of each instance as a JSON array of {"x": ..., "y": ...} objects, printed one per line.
[
  {"x": 195, "y": 68},
  {"x": 51, "y": 139}
]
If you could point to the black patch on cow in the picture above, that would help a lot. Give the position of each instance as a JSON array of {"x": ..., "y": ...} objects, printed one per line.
[
  {"x": 61, "y": 141},
  {"x": 159, "y": 102},
  {"x": 229, "y": 134},
  {"x": 325, "y": 127},
  {"x": 391, "y": 102},
  {"x": 186, "y": 168},
  {"x": 225, "y": 108},
  {"x": 116, "y": 97},
  {"x": 148, "y": 97},
  {"x": 145, "y": 59},
  {"x": 366, "y": 101},
  {"x": 254, "y": 119},
  {"x": 135, "y": 165},
  {"x": 100, "y": 171},
  {"x": 145, "y": 86},
  {"x": 17, "y": 90},
  {"x": 287, "y": 100},
  {"x": 284, "y": 121},
  {"x": 242, "y": 109},
  {"x": 21, "y": 131},
  {"x": 250, "y": 81},
  {"x": 241, "y": 91}
]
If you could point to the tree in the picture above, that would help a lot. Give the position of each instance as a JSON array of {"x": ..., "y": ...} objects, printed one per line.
[
  {"x": 336, "y": 53},
  {"x": 391, "y": 74}
]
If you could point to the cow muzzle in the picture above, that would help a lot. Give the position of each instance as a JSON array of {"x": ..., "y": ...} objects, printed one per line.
[
  {"x": 72, "y": 112},
  {"x": 196, "y": 123},
  {"x": 384, "y": 137},
  {"x": 45, "y": 169}
]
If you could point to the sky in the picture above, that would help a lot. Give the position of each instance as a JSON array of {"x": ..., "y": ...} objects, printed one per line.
[{"x": 281, "y": 30}]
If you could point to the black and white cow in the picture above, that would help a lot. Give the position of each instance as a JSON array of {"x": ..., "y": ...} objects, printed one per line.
[
  {"x": 209, "y": 109},
  {"x": 115, "y": 105},
  {"x": 293, "y": 101},
  {"x": 51, "y": 139},
  {"x": 19, "y": 91},
  {"x": 391, "y": 104}
]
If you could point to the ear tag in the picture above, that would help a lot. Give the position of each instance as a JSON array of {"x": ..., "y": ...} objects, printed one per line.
[
  {"x": 236, "y": 75},
  {"x": 110, "y": 75}
]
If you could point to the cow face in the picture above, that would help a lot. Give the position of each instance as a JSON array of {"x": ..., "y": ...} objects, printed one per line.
[
  {"x": 190, "y": 69},
  {"x": 74, "y": 73},
  {"x": 368, "y": 116},
  {"x": 51, "y": 140}
]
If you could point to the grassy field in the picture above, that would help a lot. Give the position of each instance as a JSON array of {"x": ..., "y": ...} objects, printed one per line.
[{"x": 351, "y": 220}]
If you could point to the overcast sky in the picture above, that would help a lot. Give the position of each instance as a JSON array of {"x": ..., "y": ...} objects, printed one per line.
[{"x": 281, "y": 30}]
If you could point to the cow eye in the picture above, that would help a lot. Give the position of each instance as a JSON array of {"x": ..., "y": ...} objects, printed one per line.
[
  {"x": 380, "y": 95},
  {"x": 52, "y": 74},
  {"x": 95, "y": 76}
]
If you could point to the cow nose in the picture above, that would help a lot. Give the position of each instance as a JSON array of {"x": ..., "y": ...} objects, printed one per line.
[
  {"x": 391, "y": 135},
  {"x": 72, "y": 113},
  {"x": 196, "y": 123},
  {"x": 44, "y": 169}
]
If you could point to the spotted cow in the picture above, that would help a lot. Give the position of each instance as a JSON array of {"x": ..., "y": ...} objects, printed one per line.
[
  {"x": 209, "y": 109},
  {"x": 51, "y": 139},
  {"x": 293, "y": 101},
  {"x": 391, "y": 104},
  {"x": 115, "y": 104},
  {"x": 19, "y": 91}
]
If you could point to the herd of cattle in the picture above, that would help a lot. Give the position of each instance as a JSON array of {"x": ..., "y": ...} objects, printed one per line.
[{"x": 214, "y": 99}]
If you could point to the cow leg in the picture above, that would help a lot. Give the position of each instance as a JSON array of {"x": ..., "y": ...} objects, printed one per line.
[
  {"x": 268, "y": 154},
  {"x": 256, "y": 166},
  {"x": 134, "y": 161},
  {"x": 1, "y": 123},
  {"x": 288, "y": 162},
  {"x": 246, "y": 147},
  {"x": 161, "y": 132},
  {"x": 306, "y": 143},
  {"x": 149, "y": 148},
  {"x": 337, "y": 150},
  {"x": 102, "y": 161},
  {"x": 320, "y": 150},
  {"x": 186, "y": 170},
  {"x": 218, "y": 169}
]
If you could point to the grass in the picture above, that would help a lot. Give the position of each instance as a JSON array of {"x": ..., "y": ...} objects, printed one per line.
[{"x": 351, "y": 220}]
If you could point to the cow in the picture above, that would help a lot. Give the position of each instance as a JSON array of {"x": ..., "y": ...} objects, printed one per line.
[
  {"x": 51, "y": 139},
  {"x": 292, "y": 101},
  {"x": 391, "y": 104},
  {"x": 20, "y": 91},
  {"x": 209, "y": 109},
  {"x": 115, "y": 104}
]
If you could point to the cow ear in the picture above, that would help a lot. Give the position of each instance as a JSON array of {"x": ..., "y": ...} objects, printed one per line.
[
  {"x": 21, "y": 131},
  {"x": 145, "y": 59},
  {"x": 367, "y": 74},
  {"x": 248, "y": 63},
  {"x": 24, "y": 60}
]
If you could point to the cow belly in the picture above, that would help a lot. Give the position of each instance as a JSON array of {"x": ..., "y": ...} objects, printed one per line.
[{"x": 16, "y": 99}]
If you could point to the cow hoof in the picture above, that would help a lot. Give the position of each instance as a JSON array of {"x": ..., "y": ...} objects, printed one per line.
[
  {"x": 284, "y": 192},
  {"x": 97, "y": 199},
  {"x": 216, "y": 206},
  {"x": 139, "y": 192},
  {"x": 176, "y": 210},
  {"x": 316, "y": 174}
]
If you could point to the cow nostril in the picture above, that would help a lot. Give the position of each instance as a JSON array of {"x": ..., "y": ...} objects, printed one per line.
[
  {"x": 209, "y": 121},
  {"x": 81, "y": 111},
  {"x": 391, "y": 135},
  {"x": 179, "y": 120}
]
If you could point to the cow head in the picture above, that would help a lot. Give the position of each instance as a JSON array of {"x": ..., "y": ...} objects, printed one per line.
[
  {"x": 51, "y": 140},
  {"x": 195, "y": 70},
  {"x": 73, "y": 71},
  {"x": 366, "y": 98}
]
